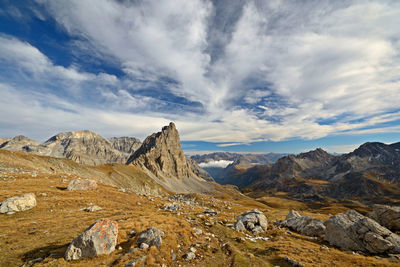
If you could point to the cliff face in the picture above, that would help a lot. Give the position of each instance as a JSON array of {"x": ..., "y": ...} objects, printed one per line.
[
  {"x": 125, "y": 144},
  {"x": 161, "y": 155}
]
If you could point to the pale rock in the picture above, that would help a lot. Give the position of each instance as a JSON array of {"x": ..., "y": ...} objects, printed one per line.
[
  {"x": 152, "y": 237},
  {"x": 18, "y": 203},
  {"x": 82, "y": 184},
  {"x": 305, "y": 225},
  {"x": 99, "y": 238},
  {"x": 353, "y": 231},
  {"x": 253, "y": 221},
  {"x": 388, "y": 216}
]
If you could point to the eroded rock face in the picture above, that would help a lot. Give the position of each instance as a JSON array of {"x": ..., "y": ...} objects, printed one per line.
[
  {"x": 352, "y": 231},
  {"x": 100, "y": 238},
  {"x": 305, "y": 225},
  {"x": 161, "y": 153},
  {"x": 82, "y": 184},
  {"x": 253, "y": 221},
  {"x": 19, "y": 203},
  {"x": 151, "y": 237},
  {"x": 386, "y": 216}
]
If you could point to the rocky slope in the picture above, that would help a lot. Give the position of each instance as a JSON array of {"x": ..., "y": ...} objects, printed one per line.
[
  {"x": 161, "y": 157},
  {"x": 83, "y": 147}
]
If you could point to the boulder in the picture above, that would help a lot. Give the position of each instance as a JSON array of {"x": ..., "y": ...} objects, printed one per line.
[
  {"x": 93, "y": 208},
  {"x": 253, "y": 221},
  {"x": 387, "y": 216},
  {"x": 19, "y": 203},
  {"x": 99, "y": 238},
  {"x": 352, "y": 231},
  {"x": 304, "y": 225},
  {"x": 152, "y": 237},
  {"x": 80, "y": 184}
]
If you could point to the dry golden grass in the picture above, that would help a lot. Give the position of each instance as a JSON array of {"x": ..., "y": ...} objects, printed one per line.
[{"x": 46, "y": 230}]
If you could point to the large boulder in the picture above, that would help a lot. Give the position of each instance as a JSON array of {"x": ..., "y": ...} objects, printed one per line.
[
  {"x": 152, "y": 237},
  {"x": 80, "y": 184},
  {"x": 352, "y": 231},
  {"x": 19, "y": 203},
  {"x": 305, "y": 225},
  {"x": 99, "y": 238},
  {"x": 253, "y": 221},
  {"x": 387, "y": 216}
]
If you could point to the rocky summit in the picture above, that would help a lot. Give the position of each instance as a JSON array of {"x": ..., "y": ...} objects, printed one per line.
[{"x": 162, "y": 157}]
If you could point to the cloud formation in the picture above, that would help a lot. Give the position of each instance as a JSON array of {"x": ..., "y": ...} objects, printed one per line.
[
  {"x": 225, "y": 71},
  {"x": 215, "y": 164}
]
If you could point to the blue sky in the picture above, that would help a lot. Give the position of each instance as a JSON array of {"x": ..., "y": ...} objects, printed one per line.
[{"x": 256, "y": 76}]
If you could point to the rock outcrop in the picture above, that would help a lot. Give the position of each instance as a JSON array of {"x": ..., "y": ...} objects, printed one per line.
[
  {"x": 352, "y": 231},
  {"x": 18, "y": 203},
  {"x": 99, "y": 238},
  {"x": 161, "y": 157},
  {"x": 151, "y": 237},
  {"x": 304, "y": 225},
  {"x": 387, "y": 216},
  {"x": 81, "y": 184},
  {"x": 253, "y": 221}
]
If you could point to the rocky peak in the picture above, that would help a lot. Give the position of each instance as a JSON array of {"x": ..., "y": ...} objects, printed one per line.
[
  {"x": 18, "y": 143},
  {"x": 161, "y": 153}
]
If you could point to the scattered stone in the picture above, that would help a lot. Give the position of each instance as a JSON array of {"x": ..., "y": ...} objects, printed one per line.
[
  {"x": 17, "y": 204},
  {"x": 387, "y": 216},
  {"x": 43, "y": 195},
  {"x": 305, "y": 225},
  {"x": 138, "y": 203},
  {"x": 152, "y": 236},
  {"x": 352, "y": 231},
  {"x": 80, "y": 184},
  {"x": 324, "y": 247},
  {"x": 210, "y": 212},
  {"x": 144, "y": 246},
  {"x": 35, "y": 260},
  {"x": 119, "y": 248},
  {"x": 92, "y": 208},
  {"x": 293, "y": 262},
  {"x": 133, "y": 262},
  {"x": 192, "y": 249},
  {"x": 173, "y": 256},
  {"x": 174, "y": 207},
  {"x": 132, "y": 233},
  {"x": 99, "y": 238},
  {"x": 123, "y": 190},
  {"x": 253, "y": 221},
  {"x": 197, "y": 231},
  {"x": 189, "y": 256}
]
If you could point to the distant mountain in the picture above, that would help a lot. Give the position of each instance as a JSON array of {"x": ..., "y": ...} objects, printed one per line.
[
  {"x": 83, "y": 147},
  {"x": 17, "y": 143},
  {"x": 371, "y": 170},
  {"x": 224, "y": 165},
  {"x": 162, "y": 158}
]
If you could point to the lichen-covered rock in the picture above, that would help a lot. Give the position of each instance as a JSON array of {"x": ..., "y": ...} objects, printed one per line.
[
  {"x": 99, "y": 238},
  {"x": 305, "y": 225},
  {"x": 387, "y": 216},
  {"x": 253, "y": 221},
  {"x": 18, "y": 203},
  {"x": 82, "y": 184},
  {"x": 152, "y": 237},
  {"x": 352, "y": 231}
]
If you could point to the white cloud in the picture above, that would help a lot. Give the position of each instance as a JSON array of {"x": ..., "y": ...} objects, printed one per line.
[
  {"x": 307, "y": 70},
  {"x": 215, "y": 164}
]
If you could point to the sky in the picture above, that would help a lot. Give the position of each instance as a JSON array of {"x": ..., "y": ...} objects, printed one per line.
[{"x": 246, "y": 76}]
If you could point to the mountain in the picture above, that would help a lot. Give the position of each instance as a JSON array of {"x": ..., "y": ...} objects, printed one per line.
[
  {"x": 162, "y": 158},
  {"x": 371, "y": 170},
  {"x": 83, "y": 147},
  {"x": 125, "y": 144},
  {"x": 224, "y": 165},
  {"x": 18, "y": 143}
]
